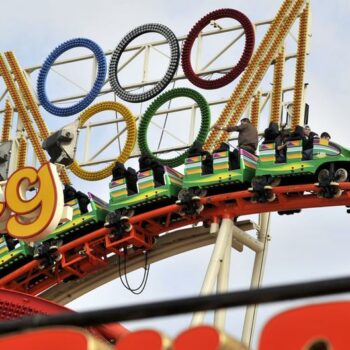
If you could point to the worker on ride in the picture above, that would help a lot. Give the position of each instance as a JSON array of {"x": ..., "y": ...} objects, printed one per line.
[
  {"x": 247, "y": 140},
  {"x": 308, "y": 142},
  {"x": 247, "y": 134}
]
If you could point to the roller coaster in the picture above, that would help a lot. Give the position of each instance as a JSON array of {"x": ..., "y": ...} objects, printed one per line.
[
  {"x": 158, "y": 211},
  {"x": 134, "y": 194}
]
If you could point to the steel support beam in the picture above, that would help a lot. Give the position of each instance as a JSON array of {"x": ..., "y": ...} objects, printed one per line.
[{"x": 257, "y": 277}]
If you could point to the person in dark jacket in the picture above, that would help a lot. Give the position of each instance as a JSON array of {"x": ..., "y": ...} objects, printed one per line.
[
  {"x": 271, "y": 133},
  {"x": 247, "y": 135},
  {"x": 308, "y": 142},
  {"x": 281, "y": 148},
  {"x": 149, "y": 163},
  {"x": 247, "y": 139}
]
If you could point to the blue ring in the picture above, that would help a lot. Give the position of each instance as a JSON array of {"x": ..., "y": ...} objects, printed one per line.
[{"x": 96, "y": 88}]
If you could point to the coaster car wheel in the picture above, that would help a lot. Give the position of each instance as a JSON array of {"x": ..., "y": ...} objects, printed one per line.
[
  {"x": 275, "y": 181},
  {"x": 270, "y": 196},
  {"x": 183, "y": 195},
  {"x": 341, "y": 175},
  {"x": 200, "y": 192},
  {"x": 337, "y": 193},
  {"x": 324, "y": 176}
]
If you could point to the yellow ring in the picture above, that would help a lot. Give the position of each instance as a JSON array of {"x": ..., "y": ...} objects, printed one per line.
[{"x": 128, "y": 147}]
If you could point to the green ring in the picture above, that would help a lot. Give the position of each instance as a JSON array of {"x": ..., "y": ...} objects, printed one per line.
[{"x": 152, "y": 109}]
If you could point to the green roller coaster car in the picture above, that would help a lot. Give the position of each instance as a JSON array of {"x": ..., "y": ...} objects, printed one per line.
[
  {"x": 221, "y": 175},
  {"x": 80, "y": 224},
  {"x": 149, "y": 191},
  {"x": 11, "y": 259},
  {"x": 325, "y": 156}
]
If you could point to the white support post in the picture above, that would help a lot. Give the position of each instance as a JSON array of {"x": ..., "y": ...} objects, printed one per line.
[
  {"x": 257, "y": 276},
  {"x": 223, "y": 240},
  {"x": 249, "y": 241},
  {"x": 214, "y": 228},
  {"x": 222, "y": 285},
  {"x": 237, "y": 245}
]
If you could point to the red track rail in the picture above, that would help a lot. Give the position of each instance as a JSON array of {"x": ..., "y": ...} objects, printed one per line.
[{"x": 89, "y": 253}]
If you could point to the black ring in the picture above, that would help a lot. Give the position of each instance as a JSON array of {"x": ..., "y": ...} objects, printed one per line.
[{"x": 161, "y": 85}]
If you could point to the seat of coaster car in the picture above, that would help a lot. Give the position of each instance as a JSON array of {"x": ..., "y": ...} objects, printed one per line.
[
  {"x": 131, "y": 180},
  {"x": 118, "y": 171},
  {"x": 70, "y": 193},
  {"x": 207, "y": 159},
  {"x": 297, "y": 134},
  {"x": 271, "y": 133},
  {"x": 233, "y": 158},
  {"x": 83, "y": 201},
  {"x": 150, "y": 163},
  {"x": 223, "y": 147},
  {"x": 129, "y": 174}
]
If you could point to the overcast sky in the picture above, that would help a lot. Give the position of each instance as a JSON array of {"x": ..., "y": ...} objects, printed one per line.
[{"x": 304, "y": 247}]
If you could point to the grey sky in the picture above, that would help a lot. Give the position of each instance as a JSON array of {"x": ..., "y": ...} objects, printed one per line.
[{"x": 311, "y": 245}]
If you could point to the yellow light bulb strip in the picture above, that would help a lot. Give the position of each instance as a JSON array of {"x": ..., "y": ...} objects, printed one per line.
[
  {"x": 255, "y": 111},
  {"x": 32, "y": 104},
  {"x": 248, "y": 75},
  {"x": 22, "y": 152},
  {"x": 22, "y": 111},
  {"x": 263, "y": 67},
  {"x": 7, "y": 122},
  {"x": 276, "y": 98},
  {"x": 64, "y": 177},
  {"x": 129, "y": 143},
  {"x": 300, "y": 68},
  {"x": 27, "y": 94}
]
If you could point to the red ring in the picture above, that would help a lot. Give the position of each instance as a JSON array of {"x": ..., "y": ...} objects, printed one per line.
[{"x": 238, "y": 68}]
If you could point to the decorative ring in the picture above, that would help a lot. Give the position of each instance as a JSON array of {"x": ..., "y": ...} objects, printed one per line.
[
  {"x": 96, "y": 88},
  {"x": 128, "y": 147},
  {"x": 161, "y": 85},
  {"x": 238, "y": 68},
  {"x": 151, "y": 110}
]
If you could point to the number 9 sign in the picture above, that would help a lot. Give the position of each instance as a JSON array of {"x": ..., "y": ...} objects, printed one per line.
[{"x": 32, "y": 219}]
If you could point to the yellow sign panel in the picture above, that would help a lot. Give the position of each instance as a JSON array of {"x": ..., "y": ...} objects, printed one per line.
[{"x": 32, "y": 219}]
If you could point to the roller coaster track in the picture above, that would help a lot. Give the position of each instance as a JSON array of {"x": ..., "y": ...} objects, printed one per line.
[{"x": 92, "y": 260}]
